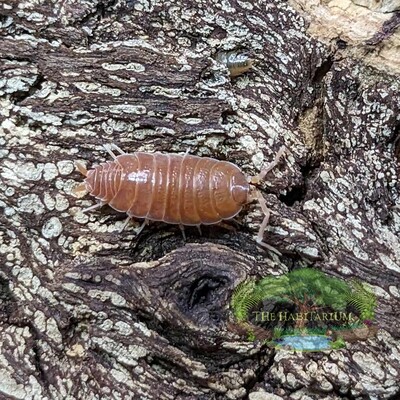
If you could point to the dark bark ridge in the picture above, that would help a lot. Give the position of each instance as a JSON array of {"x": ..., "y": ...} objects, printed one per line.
[{"x": 86, "y": 312}]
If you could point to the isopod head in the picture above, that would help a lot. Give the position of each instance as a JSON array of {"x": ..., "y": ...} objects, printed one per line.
[
  {"x": 239, "y": 189},
  {"x": 81, "y": 189}
]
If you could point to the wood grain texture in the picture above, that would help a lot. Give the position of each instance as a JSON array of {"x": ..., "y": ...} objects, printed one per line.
[{"x": 87, "y": 313}]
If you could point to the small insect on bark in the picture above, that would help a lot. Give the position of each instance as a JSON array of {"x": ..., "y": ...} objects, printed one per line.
[
  {"x": 236, "y": 62},
  {"x": 173, "y": 188}
]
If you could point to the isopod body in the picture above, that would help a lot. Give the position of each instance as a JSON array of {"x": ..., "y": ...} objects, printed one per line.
[
  {"x": 173, "y": 188},
  {"x": 177, "y": 189},
  {"x": 237, "y": 63}
]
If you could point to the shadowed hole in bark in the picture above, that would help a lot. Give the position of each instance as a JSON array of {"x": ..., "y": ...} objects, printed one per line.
[
  {"x": 20, "y": 96},
  {"x": 3, "y": 19},
  {"x": 225, "y": 116},
  {"x": 262, "y": 369},
  {"x": 99, "y": 13},
  {"x": 5, "y": 296},
  {"x": 394, "y": 396},
  {"x": 321, "y": 71},
  {"x": 203, "y": 298},
  {"x": 165, "y": 364},
  {"x": 37, "y": 359},
  {"x": 298, "y": 192},
  {"x": 43, "y": 375},
  {"x": 395, "y": 139},
  {"x": 341, "y": 44},
  {"x": 158, "y": 239},
  {"x": 203, "y": 289},
  {"x": 73, "y": 330}
]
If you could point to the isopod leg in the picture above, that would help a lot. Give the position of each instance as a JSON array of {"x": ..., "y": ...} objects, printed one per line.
[
  {"x": 115, "y": 147},
  {"x": 182, "y": 228},
  {"x": 227, "y": 226},
  {"x": 125, "y": 224},
  {"x": 108, "y": 148},
  {"x": 259, "y": 177},
  {"x": 94, "y": 207},
  {"x": 79, "y": 189},
  {"x": 145, "y": 222},
  {"x": 81, "y": 168},
  {"x": 199, "y": 229},
  {"x": 264, "y": 224}
]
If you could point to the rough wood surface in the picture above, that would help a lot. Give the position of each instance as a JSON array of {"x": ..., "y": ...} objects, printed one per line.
[{"x": 90, "y": 313}]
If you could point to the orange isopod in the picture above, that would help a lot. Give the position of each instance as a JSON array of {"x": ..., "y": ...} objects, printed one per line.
[{"x": 174, "y": 188}]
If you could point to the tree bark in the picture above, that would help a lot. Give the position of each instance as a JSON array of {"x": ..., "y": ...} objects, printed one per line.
[{"x": 87, "y": 312}]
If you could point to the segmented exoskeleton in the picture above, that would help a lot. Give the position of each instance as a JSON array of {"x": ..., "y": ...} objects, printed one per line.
[
  {"x": 174, "y": 188},
  {"x": 237, "y": 62}
]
